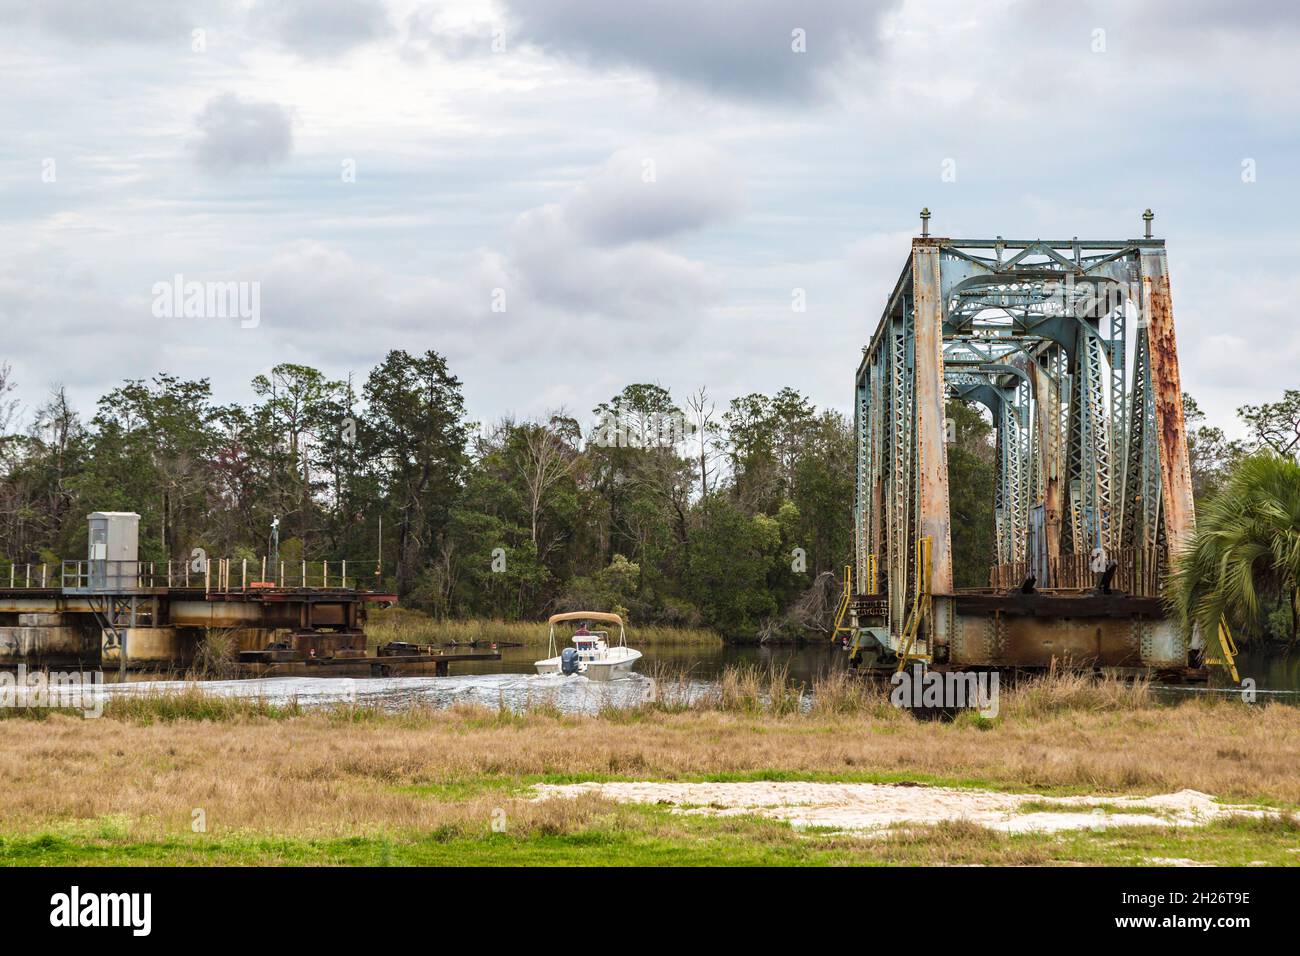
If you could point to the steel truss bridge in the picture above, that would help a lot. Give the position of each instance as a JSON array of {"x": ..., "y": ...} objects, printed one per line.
[{"x": 1069, "y": 345}]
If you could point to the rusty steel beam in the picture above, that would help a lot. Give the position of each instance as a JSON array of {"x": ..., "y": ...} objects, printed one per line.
[
  {"x": 932, "y": 455},
  {"x": 1166, "y": 383}
]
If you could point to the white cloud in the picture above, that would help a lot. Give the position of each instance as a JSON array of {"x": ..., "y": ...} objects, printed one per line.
[
  {"x": 746, "y": 49},
  {"x": 653, "y": 192},
  {"x": 316, "y": 28},
  {"x": 236, "y": 133},
  {"x": 124, "y": 21},
  {"x": 521, "y": 169}
]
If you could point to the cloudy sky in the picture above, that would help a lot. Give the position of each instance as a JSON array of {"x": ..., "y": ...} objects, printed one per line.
[{"x": 565, "y": 196}]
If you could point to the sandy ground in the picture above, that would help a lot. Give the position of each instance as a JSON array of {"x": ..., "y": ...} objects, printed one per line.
[{"x": 869, "y": 806}]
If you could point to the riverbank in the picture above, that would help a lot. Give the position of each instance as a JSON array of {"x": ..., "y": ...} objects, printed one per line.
[
  {"x": 187, "y": 779},
  {"x": 403, "y": 624}
]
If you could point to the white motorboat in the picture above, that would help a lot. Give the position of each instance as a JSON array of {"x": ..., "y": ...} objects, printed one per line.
[{"x": 592, "y": 654}]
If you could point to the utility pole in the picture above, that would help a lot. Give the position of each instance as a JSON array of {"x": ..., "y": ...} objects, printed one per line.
[{"x": 275, "y": 544}]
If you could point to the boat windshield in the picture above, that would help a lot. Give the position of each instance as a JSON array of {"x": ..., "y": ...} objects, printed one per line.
[{"x": 584, "y": 639}]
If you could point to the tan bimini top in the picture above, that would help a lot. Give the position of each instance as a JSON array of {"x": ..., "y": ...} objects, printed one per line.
[{"x": 586, "y": 616}]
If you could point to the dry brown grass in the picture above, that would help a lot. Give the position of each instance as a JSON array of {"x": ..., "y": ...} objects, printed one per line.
[
  {"x": 350, "y": 772},
  {"x": 1060, "y": 692},
  {"x": 769, "y": 690}
]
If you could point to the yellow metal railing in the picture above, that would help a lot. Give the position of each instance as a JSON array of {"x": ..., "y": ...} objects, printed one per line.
[
  {"x": 920, "y": 607},
  {"x": 1228, "y": 647},
  {"x": 846, "y": 599}
]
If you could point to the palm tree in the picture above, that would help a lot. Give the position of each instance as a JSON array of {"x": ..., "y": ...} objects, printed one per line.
[{"x": 1246, "y": 550}]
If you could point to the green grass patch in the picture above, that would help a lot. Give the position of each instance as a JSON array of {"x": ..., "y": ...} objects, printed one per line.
[{"x": 650, "y": 836}]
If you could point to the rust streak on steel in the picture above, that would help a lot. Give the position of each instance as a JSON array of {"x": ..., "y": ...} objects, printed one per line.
[{"x": 1175, "y": 468}]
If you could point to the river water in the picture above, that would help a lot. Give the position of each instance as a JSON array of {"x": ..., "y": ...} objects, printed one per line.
[
  {"x": 1273, "y": 671},
  {"x": 803, "y": 664},
  {"x": 511, "y": 682}
]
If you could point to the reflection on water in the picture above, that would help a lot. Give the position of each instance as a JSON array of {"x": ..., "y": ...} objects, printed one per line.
[{"x": 1271, "y": 670}]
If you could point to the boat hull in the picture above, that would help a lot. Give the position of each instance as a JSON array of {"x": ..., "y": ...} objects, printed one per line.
[{"x": 610, "y": 668}]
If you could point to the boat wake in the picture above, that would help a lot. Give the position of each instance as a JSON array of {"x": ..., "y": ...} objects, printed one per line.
[{"x": 515, "y": 692}]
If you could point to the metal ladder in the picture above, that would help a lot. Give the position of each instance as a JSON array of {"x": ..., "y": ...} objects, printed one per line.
[
  {"x": 920, "y": 607},
  {"x": 845, "y": 600}
]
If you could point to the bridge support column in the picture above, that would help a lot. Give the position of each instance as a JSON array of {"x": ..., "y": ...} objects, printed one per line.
[
  {"x": 933, "y": 520},
  {"x": 150, "y": 646}
]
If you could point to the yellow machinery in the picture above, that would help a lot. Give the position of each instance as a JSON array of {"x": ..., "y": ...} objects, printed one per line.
[
  {"x": 1227, "y": 648},
  {"x": 920, "y": 607},
  {"x": 843, "y": 612}
]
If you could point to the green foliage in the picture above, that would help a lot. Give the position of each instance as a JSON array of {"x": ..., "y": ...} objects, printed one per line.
[
  {"x": 731, "y": 526},
  {"x": 415, "y": 434},
  {"x": 1245, "y": 552},
  {"x": 732, "y": 555},
  {"x": 1275, "y": 425},
  {"x": 1210, "y": 453},
  {"x": 972, "y": 475},
  {"x": 612, "y": 588}
]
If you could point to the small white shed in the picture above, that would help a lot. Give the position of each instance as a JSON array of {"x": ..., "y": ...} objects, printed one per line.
[{"x": 114, "y": 536}]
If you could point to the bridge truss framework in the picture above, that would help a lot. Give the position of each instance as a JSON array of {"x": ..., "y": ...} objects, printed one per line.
[{"x": 1069, "y": 345}]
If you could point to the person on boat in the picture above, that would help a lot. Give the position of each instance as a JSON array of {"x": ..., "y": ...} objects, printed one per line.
[{"x": 582, "y": 631}]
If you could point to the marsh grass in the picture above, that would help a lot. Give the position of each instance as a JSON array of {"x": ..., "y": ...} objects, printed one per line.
[
  {"x": 1060, "y": 691},
  {"x": 403, "y": 624},
  {"x": 756, "y": 689},
  {"x": 193, "y": 704},
  {"x": 217, "y": 656}
]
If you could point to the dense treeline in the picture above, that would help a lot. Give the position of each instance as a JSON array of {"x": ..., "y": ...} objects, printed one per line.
[
  {"x": 1243, "y": 562},
  {"x": 677, "y": 511}
]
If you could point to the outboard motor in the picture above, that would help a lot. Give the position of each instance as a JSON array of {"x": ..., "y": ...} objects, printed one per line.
[{"x": 569, "y": 661}]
